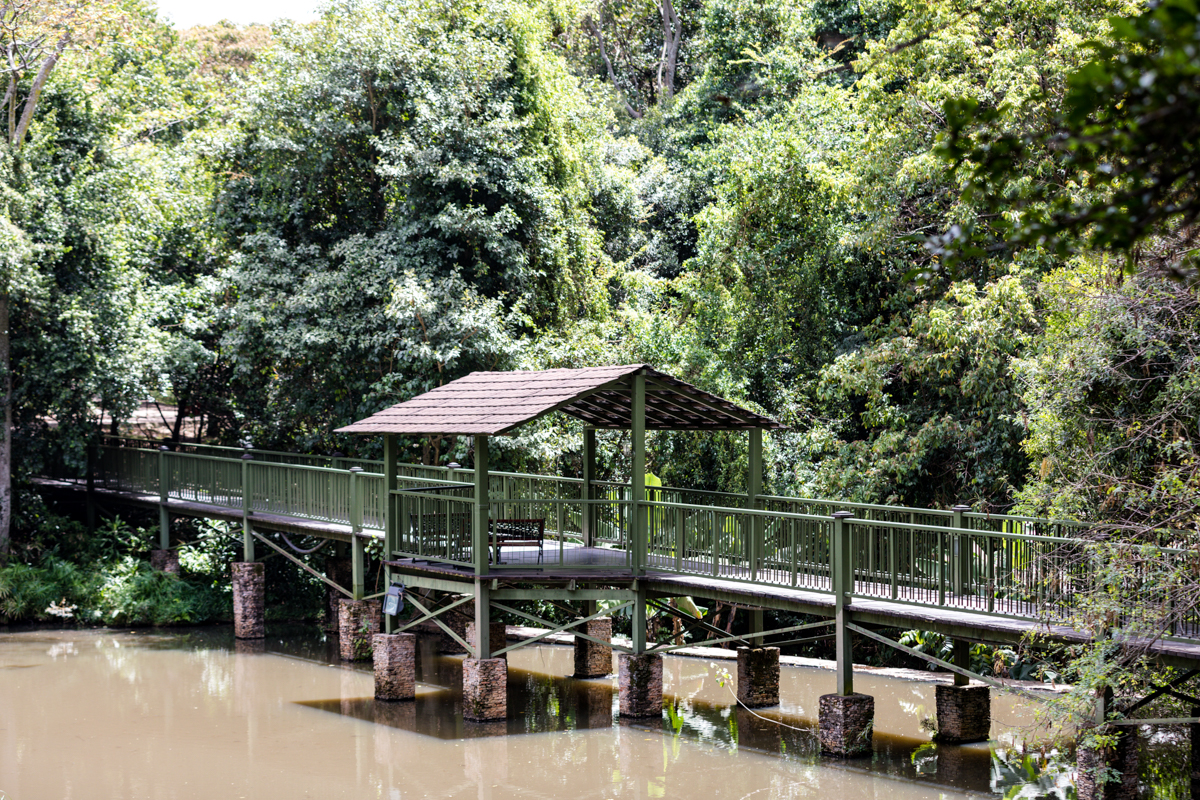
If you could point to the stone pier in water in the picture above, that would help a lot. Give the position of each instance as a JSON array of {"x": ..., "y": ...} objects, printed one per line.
[
  {"x": 639, "y": 684},
  {"x": 485, "y": 689},
  {"x": 165, "y": 561},
  {"x": 395, "y": 666},
  {"x": 594, "y": 660},
  {"x": 847, "y": 723},
  {"x": 249, "y": 600},
  {"x": 758, "y": 676},
  {"x": 964, "y": 713},
  {"x": 496, "y": 642},
  {"x": 358, "y": 622}
]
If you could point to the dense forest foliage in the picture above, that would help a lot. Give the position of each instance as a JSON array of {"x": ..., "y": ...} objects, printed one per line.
[{"x": 950, "y": 245}]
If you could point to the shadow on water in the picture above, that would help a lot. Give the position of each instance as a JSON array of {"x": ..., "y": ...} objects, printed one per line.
[{"x": 540, "y": 703}]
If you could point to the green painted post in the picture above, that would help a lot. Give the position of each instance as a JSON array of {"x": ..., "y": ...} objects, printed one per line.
[
  {"x": 164, "y": 516},
  {"x": 962, "y": 553},
  {"x": 754, "y": 487},
  {"x": 483, "y": 601},
  {"x": 639, "y": 622},
  {"x": 393, "y": 517},
  {"x": 756, "y": 627},
  {"x": 962, "y": 658},
  {"x": 358, "y": 568},
  {"x": 482, "y": 512},
  {"x": 356, "y": 501},
  {"x": 843, "y": 585},
  {"x": 638, "y": 478},
  {"x": 247, "y": 493},
  {"x": 586, "y": 493}
]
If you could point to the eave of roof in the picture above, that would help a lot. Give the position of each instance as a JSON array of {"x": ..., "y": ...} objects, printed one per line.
[{"x": 496, "y": 403}]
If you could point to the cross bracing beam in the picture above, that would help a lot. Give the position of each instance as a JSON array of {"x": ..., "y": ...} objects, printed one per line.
[
  {"x": 945, "y": 664},
  {"x": 791, "y": 629},
  {"x": 1167, "y": 688},
  {"x": 694, "y": 622},
  {"x": 298, "y": 562},
  {"x": 576, "y": 633},
  {"x": 433, "y": 616},
  {"x": 558, "y": 629}
]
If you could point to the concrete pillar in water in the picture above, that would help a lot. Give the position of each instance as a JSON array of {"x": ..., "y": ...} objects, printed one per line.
[
  {"x": 758, "y": 676},
  {"x": 594, "y": 660},
  {"x": 847, "y": 723},
  {"x": 639, "y": 684},
  {"x": 485, "y": 689},
  {"x": 165, "y": 561},
  {"x": 1121, "y": 757},
  {"x": 358, "y": 621},
  {"x": 395, "y": 666},
  {"x": 337, "y": 569},
  {"x": 964, "y": 713},
  {"x": 497, "y": 641},
  {"x": 249, "y": 600}
]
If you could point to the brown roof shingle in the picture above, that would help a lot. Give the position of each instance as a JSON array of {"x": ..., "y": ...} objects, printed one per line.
[{"x": 491, "y": 403}]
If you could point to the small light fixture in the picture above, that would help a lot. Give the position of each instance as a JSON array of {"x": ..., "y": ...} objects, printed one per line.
[{"x": 393, "y": 602}]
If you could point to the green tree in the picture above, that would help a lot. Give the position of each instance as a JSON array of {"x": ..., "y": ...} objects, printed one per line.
[{"x": 422, "y": 138}]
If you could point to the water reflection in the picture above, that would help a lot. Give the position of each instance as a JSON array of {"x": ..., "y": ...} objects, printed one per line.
[
  {"x": 148, "y": 715},
  {"x": 547, "y": 703}
]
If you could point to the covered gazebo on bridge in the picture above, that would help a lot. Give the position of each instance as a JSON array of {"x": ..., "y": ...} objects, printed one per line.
[{"x": 447, "y": 524}]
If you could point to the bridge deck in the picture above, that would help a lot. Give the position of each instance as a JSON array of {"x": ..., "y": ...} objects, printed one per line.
[{"x": 606, "y": 567}]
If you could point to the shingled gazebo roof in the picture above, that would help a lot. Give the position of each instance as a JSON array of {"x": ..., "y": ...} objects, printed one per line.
[{"x": 493, "y": 403}]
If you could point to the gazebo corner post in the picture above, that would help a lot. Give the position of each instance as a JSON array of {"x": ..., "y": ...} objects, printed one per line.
[
  {"x": 586, "y": 491},
  {"x": 392, "y": 514},
  {"x": 358, "y": 566},
  {"x": 479, "y": 549},
  {"x": 757, "y": 548},
  {"x": 637, "y": 481},
  {"x": 842, "y": 582}
]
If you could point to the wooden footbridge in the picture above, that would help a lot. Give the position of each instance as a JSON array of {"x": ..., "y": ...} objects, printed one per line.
[{"x": 495, "y": 537}]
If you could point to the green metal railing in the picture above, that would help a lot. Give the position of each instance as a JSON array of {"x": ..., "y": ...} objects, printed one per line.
[{"x": 1001, "y": 565}]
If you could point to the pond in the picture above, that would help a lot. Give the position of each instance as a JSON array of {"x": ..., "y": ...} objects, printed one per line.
[{"x": 104, "y": 714}]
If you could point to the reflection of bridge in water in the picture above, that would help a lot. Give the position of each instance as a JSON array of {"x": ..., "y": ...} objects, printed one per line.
[{"x": 466, "y": 543}]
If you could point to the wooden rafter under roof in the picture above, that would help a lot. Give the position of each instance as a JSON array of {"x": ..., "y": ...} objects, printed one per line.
[{"x": 496, "y": 403}]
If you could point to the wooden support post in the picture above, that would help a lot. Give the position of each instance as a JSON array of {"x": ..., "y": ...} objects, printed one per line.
[
  {"x": 638, "y": 480},
  {"x": 754, "y": 489},
  {"x": 586, "y": 494},
  {"x": 394, "y": 513},
  {"x": 247, "y": 494},
  {"x": 843, "y": 585},
  {"x": 482, "y": 507},
  {"x": 962, "y": 658}
]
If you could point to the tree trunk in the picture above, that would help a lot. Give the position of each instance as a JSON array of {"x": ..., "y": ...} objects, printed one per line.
[
  {"x": 672, "y": 38},
  {"x": 598, "y": 31},
  {"x": 6, "y": 439}
]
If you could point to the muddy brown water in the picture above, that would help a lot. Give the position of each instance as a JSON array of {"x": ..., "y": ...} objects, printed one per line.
[{"x": 101, "y": 714}]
